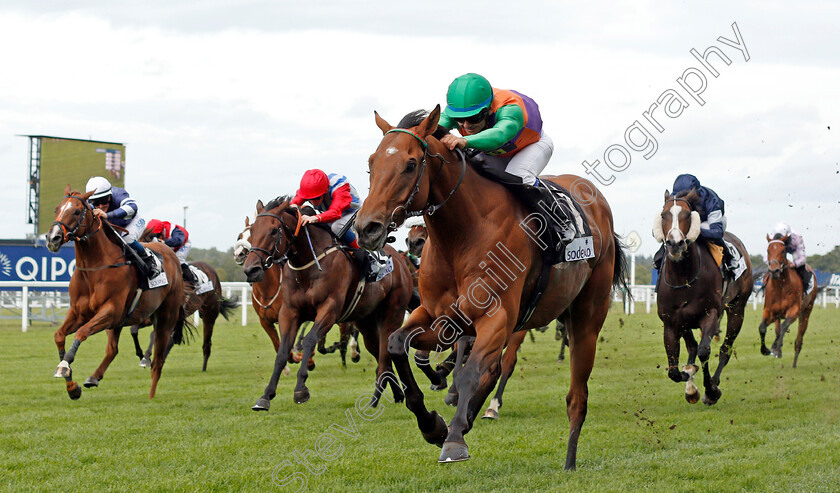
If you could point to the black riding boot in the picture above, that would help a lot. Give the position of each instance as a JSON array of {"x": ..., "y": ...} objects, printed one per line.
[
  {"x": 561, "y": 228},
  {"x": 188, "y": 275},
  {"x": 804, "y": 275},
  {"x": 362, "y": 260},
  {"x": 658, "y": 257},
  {"x": 151, "y": 265}
]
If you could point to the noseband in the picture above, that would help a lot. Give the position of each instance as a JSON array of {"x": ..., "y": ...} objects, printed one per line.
[
  {"x": 270, "y": 254},
  {"x": 70, "y": 233},
  {"x": 427, "y": 209}
]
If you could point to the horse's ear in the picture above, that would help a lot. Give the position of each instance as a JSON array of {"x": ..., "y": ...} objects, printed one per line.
[
  {"x": 784, "y": 238},
  {"x": 768, "y": 238},
  {"x": 247, "y": 221},
  {"x": 260, "y": 206},
  {"x": 381, "y": 123},
  {"x": 87, "y": 195},
  {"x": 667, "y": 195},
  {"x": 67, "y": 190},
  {"x": 430, "y": 123}
]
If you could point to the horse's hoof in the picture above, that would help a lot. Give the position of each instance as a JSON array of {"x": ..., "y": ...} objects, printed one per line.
[
  {"x": 63, "y": 370},
  {"x": 145, "y": 362},
  {"x": 262, "y": 405},
  {"x": 490, "y": 413},
  {"x": 765, "y": 351},
  {"x": 692, "y": 398},
  {"x": 356, "y": 358},
  {"x": 453, "y": 452},
  {"x": 711, "y": 396},
  {"x": 91, "y": 382},
  {"x": 438, "y": 434},
  {"x": 451, "y": 399},
  {"x": 443, "y": 384},
  {"x": 75, "y": 393},
  {"x": 301, "y": 396},
  {"x": 399, "y": 397},
  {"x": 311, "y": 365}
]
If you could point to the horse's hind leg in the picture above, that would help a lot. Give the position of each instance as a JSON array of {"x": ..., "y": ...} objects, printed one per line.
[
  {"x": 734, "y": 321},
  {"x": 803, "y": 326},
  {"x": 208, "y": 319},
  {"x": 508, "y": 365},
  {"x": 762, "y": 332},
  {"x": 708, "y": 327},
  {"x": 167, "y": 315},
  {"x": 111, "y": 351},
  {"x": 135, "y": 330}
]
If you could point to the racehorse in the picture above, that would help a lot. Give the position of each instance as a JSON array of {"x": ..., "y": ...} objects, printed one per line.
[
  {"x": 691, "y": 293},
  {"x": 106, "y": 293},
  {"x": 325, "y": 288},
  {"x": 784, "y": 298},
  {"x": 471, "y": 222},
  {"x": 210, "y": 305},
  {"x": 265, "y": 297},
  {"x": 416, "y": 239}
]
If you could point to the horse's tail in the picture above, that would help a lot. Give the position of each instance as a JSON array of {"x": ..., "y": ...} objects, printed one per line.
[
  {"x": 621, "y": 268},
  {"x": 184, "y": 331},
  {"x": 226, "y": 307}
]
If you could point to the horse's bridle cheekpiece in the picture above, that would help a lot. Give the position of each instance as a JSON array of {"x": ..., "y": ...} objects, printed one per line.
[
  {"x": 427, "y": 209},
  {"x": 70, "y": 233}
]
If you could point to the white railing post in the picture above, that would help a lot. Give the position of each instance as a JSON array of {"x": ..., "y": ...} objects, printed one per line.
[
  {"x": 24, "y": 308},
  {"x": 195, "y": 318},
  {"x": 244, "y": 306},
  {"x": 648, "y": 296}
]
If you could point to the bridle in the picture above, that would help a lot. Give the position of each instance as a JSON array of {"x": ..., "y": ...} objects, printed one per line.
[
  {"x": 665, "y": 262},
  {"x": 426, "y": 209},
  {"x": 781, "y": 263},
  {"x": 269, "y": 258},
  {"x": 687, "y": 203},
  {"x": 69, "y": 233}
]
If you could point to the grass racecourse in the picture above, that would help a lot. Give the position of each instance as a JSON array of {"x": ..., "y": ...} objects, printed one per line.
[{"x": 775, "y": 428}]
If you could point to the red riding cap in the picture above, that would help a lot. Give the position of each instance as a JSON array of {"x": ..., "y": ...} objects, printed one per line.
[
  {"x": 313, "y": 184},
  {"x": 157, "y": 227}
]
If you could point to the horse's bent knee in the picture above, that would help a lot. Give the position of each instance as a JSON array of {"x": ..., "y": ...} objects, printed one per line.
[
  {"x": 675, "y": 374},
  {"x": 396, "y": 343}
]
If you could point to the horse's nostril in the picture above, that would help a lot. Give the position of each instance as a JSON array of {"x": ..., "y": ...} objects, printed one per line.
[{"x": 373, "y": 229}]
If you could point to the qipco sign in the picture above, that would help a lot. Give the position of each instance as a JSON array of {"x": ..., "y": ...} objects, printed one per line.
[{"x": 36, "y": 263}]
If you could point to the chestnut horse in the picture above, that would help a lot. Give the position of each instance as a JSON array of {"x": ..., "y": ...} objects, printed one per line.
[
  {"x": 323, "y": 289},
  {"x": 210, "y": 305},
  {"x": 690, "y": 294},
  {"x": 416, "y": 240},
  {"x": 473, "y": 222},
  {"x": 266, "y": 299},
  {"x": 104, "y": 290},
  {"x": 784, "y": 298}
]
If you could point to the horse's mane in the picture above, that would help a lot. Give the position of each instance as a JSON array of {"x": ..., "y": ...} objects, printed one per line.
[
  {"x": 415, "y": 117},
  {"x": 277, "y": 202},
  {"x": 778, "y": 236}
]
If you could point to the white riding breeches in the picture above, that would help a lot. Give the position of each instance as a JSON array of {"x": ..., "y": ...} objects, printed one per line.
[
  {"x": 134, "y": 229},
  {"x": 527, "y": 163},
  {"x": 182, "y": 252}
]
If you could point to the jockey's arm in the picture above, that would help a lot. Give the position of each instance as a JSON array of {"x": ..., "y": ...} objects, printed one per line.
[
  {"x": 176, "y": 238},
  {"x": 341, "y": 200},
  {"x": 509, "y": 121},
  {"x": 127, "y": 209},
  {"x": 712, "y": 228}
]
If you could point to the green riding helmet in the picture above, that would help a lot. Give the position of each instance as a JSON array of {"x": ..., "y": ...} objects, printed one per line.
[{"x": 467, "y": 96}]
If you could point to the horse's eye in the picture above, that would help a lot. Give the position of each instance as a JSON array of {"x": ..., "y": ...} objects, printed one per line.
[
  {"x": 410, "y": 166},
  {"x": 77, "y": 212},
  {"x": 275, "y": 231}
]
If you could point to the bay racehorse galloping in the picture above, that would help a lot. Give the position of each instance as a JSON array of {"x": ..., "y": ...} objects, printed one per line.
[
  {"x": 209, "y": 304},
  {"x": 104, "y": 290},
  {"x": 321, "y": 283},
  {"x": 784, "y": 298},
  {"x": 266, "y": 299},
  {"x": 690, "y": 294},
  {"x": 473, "y": 224}
]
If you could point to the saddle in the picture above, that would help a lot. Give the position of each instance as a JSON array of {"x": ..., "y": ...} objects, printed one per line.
[
  {"x": 203, "y": 284},
  {"x": 556, "y": 223}
]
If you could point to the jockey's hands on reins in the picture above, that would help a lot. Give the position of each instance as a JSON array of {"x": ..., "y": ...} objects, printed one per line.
[
  {"x": 100, "y": 213},
  {"x": 453, "y": 141},
  {"x": 304, "y": 220}
]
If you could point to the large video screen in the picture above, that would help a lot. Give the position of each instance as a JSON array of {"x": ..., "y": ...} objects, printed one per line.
[{"x": 74, "y": 162}]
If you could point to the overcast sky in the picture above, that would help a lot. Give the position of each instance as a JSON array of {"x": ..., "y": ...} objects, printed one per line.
[{"x": 221, "y": 103}]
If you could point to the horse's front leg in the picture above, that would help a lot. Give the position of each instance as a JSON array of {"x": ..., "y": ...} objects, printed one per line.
[
  {"x": 71, "y": 324},
  {"x": 288, "y": 324},
  {"x": 475, "y": 381},
  {"x": 111, "y": 351},
  {"x": 324, "y": 320},
  {"x": 709, "y": 326},
  {"x": 766, "y": 320},
  {"x": 692, "y": 394},
  {"x": 416, "y": 333},
  {"x": 776, "y": 349},
  {"x": 671, "y": 336},
  {"x": 105, "y": 318},
  {"x": 135, "y": 330}
]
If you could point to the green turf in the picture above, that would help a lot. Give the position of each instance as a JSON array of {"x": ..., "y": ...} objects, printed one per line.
[{"x": 775, "y": 429}]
